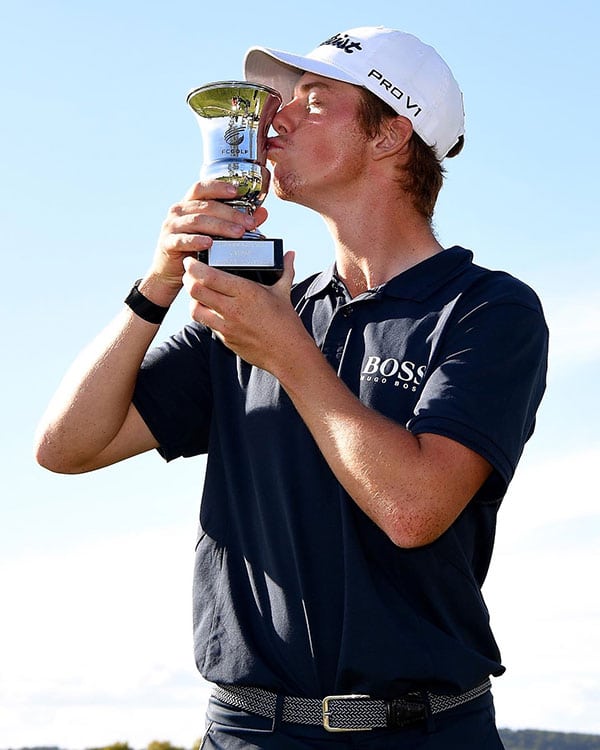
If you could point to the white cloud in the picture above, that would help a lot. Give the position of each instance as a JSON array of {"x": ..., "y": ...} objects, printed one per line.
[
  {"x": 544, "y": 598},
  {"x": 97, "y": 646}
]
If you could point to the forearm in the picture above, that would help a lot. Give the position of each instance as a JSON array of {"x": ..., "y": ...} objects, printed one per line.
[
  {"x": 412, "y": 487},
  {"x": 92, "y": 403},
  {"x": 91, "y": 422},
  {"x": 362, "y": 447}
]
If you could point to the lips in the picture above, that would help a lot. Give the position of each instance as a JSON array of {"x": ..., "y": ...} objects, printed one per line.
[
  {"x": 273, "y": 145},
  {"x": 273, "y": 142}
]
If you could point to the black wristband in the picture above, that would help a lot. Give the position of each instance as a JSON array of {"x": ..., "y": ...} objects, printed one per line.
[{"x": 143, "y": 307}]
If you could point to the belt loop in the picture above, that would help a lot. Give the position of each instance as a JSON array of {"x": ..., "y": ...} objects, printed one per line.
[
  {"x": 278, "y": 713},
  {"x": 429, "y": 718}
]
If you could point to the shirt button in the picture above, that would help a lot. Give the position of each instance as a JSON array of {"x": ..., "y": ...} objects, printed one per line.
[{"x": 347, "y": 311}]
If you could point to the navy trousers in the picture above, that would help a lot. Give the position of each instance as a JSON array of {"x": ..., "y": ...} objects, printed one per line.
[{"x": 468, "y": 727}]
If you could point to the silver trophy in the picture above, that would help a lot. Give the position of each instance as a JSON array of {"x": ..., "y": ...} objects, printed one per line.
[{"x": 234, "y": 119}]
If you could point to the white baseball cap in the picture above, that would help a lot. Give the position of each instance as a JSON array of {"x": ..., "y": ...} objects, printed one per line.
[{"x": 397, "y": 67}]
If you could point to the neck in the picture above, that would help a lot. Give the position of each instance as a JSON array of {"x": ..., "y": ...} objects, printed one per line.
[{"x": 372, "y": 250}]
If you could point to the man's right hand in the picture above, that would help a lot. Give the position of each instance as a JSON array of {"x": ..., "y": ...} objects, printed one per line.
[{"x": 188, "y": 229}]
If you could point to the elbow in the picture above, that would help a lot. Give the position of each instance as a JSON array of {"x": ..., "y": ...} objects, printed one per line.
[
  {"x": 406, "y": 540},
  {"x": 56, "y": 465},
  {"x": 47, "y": 460},
  {"x": 48, "y": 455},
  {"x": 412, "y": 532}
]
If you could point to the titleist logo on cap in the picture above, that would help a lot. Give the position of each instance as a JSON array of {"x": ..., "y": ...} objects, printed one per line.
[{"x": 343, "y": 42}]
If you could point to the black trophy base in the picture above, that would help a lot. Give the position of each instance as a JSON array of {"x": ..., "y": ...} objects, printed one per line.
[{"x": 260, "y": 260}]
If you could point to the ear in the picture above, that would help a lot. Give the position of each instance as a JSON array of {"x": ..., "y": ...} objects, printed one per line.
[{"x": 393, "y": 137}]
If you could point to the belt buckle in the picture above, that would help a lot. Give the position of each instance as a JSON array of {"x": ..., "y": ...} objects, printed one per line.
[{"x": 327, "y": 712}]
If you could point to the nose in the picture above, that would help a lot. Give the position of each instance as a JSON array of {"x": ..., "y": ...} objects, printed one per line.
[{"x": 282, "y": 122}]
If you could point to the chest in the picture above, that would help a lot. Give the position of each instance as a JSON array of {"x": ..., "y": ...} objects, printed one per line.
[{"x": 382, "y": 350}]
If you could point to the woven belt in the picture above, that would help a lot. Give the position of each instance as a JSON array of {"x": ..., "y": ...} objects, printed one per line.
[{"x": 345, "y": 713}]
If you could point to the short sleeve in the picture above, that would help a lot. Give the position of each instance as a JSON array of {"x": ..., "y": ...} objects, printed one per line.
[
  {"x": 173, "y": 392},
  {"x": 485, "y": 382}
]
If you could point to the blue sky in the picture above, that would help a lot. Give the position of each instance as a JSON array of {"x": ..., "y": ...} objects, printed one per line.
[{"x": 96, "y": 142}]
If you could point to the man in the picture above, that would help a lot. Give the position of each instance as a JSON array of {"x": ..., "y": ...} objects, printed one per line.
[{"x": 361, "y": 426}]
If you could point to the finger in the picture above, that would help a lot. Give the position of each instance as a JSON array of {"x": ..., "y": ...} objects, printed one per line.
[
  {"x": 200, "y": 277},
  {"x": 207, "y": 205},
  {"x": 260, "y": 215},
  {"x": 205, "y": 297},
  {"x": 211, "y": 216},
  {"x": 182, "y": 242},
  {"x": 216, "y": 309},
  {"x": 217, "y": 224},
  {"x": 211, "y": 190},
  {"x": 204, "y": 315}
]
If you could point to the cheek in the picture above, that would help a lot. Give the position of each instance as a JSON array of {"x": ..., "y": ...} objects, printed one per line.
[
  {"x": 326, "y": 158},
  {"x": 342, "y": 153}
]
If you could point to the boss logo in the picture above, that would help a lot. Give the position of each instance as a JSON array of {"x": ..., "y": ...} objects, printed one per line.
[{"x": 402, "y": 373}]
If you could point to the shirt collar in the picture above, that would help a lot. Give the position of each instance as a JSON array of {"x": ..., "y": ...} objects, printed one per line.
[
  {"x": 321, "y": 282},
  {"x": 416, "y": 283}
]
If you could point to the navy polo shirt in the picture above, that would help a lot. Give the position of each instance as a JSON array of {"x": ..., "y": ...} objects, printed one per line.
[{"x": 295, "y": 588}]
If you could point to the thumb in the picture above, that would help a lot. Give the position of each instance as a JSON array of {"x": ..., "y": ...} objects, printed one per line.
[
  {"x": 283, "y": 285},
  {"x": 287, "y": 277}
]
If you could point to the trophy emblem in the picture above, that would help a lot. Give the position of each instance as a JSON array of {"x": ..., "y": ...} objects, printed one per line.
[{"x": 234, "y": 119}]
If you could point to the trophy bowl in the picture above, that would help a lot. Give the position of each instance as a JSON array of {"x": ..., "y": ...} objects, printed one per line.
[{"x": 234, "y": 119}]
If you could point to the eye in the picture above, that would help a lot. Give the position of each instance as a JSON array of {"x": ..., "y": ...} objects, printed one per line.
[{"x": 313, "y": 104}]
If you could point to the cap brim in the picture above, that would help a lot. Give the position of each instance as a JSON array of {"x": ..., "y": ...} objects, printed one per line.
[{"x": 281, "y": 70}]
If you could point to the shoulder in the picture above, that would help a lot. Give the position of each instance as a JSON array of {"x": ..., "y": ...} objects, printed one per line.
[
  {"x": 497, "y": 287},
  {"x": 492, "y": 302},
  {"x": 501, "y": 287}
]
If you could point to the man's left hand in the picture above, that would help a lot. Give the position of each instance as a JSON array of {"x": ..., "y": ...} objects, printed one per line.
[{"x": 257, "y": 322}]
